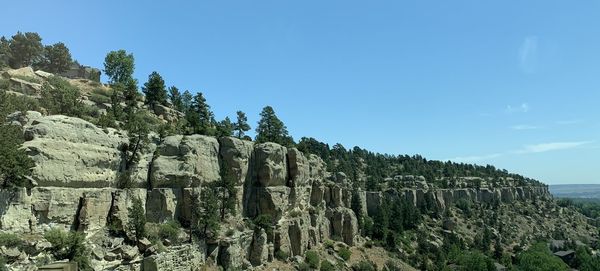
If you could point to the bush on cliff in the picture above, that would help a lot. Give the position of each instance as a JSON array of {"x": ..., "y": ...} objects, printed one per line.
[
  {"x": 15, "y": 165},
  {"x": 69, "y": 246}
]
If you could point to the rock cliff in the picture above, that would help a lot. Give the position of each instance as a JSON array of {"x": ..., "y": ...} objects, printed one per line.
[{"x": 75, "y": 187}]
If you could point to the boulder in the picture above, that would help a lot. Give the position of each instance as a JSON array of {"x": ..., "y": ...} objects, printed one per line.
[
  {"x": 186, "y": 161},
  {"x": 23, "y": 118},
  {"x": 21, "y": 72},
  {"x": 25, "y": 87}
]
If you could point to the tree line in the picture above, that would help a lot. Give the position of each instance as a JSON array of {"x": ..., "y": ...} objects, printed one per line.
[{"x": 26, "y": 49}]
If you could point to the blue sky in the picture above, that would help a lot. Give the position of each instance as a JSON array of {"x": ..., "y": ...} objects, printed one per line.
[{"x": 510, "y": 83}]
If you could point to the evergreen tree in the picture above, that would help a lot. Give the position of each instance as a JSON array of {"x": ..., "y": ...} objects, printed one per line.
[
  {"x": 381, "y": 222},
  {"x": 25, "y": 49},
  {"x": 137, "y": 218},
  {"x": 205, "y": 214},
  {"x": 357, "y": 207},
  {"x": 15, "y": 165},
  {"x": 155, "y": 90},
  {"x": 4, "y": 52},
  {"x": 186, "y": 100},
  {"x": 176, "y": 99},
  {"x": 227, "y": 192},
  {"x": 57, "y": 58},
  {"x": 119, "y": 66},
  {"x": 241, "y": 125},
  {"x": 224, "y": 128},
  {"x": 200, "y": 118},
  {"x": 271, "y": 129}
]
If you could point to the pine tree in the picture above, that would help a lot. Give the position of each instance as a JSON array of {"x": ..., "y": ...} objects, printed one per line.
[
  {"x": 155, "y": 90},
  {"x": 25, "y": 49},
  {"x": 57, "y": 58},
  {"x": 200, "y": 118},
  {"x": 137, "y": 218},
  {"x": 176, "y": 99},
  {"x": 224, "y": 128},
  {"x": 205, "y": 214},
  {"x": 241, "y": 125},
  {"x": 227, "y": 192},
  {"x": 271, "y": 129},
  {"x": 15, "y": 165}
]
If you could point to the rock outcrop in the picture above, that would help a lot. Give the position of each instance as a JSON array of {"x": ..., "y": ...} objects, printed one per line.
[{"x": 77, "y": 166}]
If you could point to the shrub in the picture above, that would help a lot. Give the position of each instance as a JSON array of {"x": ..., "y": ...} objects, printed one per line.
[
  {"x": 60, "y": 97},
  {"x": 10, "y": 240},
  {"x": 303, "y": 267},
  {"x": 281, "y": 255},
  {"x": 30, "y": 79},
  {"x": 265, "y": 222},
  {"x": 3, "y": 264},
  {"x": 329, "y": 243},
  {"x": 364, "y": 266},
  {"x": 69, "y": 246},
  {"x": 99, "y": 99},
  {"x": 312, "y": 259},
  {"x": 326, "y": 266},
  {"x": 464, "y": 205},
  {"x": 345, "y": 253},
  {"x": 4, "y": 84},
  {"x": 169, "y": 230},
  {"x": 10, "y": 103}
]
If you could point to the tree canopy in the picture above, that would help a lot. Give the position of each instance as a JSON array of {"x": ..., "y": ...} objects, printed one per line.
[
  {"x": 155, "y": 90},
  {"x": 119, "y": 66},
  {"x": 271, "y": 128}
]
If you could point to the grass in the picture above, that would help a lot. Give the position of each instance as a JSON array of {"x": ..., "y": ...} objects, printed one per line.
[{"x": 30, "y": 79}]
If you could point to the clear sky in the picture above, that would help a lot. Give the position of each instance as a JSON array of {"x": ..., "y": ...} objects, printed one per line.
[{"x": 513, "y": 83}]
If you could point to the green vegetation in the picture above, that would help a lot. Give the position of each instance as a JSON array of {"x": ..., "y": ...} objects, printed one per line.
[
  {"x": 10, "y": 240},
  {"x": 264, "y": 221},
  {"x": 26, "y": 49},
  {"x": 345, "y": 253},
  {"x": 205, "y": 214},
  {"x": 15, "y": 165},
  {"x": 588, "y": 207},
  {"x": 60, "y": 97},
  {"x": 155, "y": 90},
  {"x": 69, "y": 246},
  {"x": 312, "y": 258},
  {"x": 271, "y": 129},
  {"x": 364, "y": 266},
  {"x": 56, "y": 59},
  {"x": 241, "y": 125},
  {"x": 326, "y": 266},
  {"x": 282, "y": 255},
  {"x": 137, "y": 219},
  {"x": 169, "y": 230},
  {"x": 539, "y": 258},
  {"x": 119, "y": 66}
]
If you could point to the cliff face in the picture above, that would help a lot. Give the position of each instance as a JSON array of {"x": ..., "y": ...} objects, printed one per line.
[{"x": 77, "y": 165}]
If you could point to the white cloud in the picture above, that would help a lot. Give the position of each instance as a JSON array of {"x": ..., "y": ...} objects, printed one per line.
[
  {"x": 475, "y": 158},
  {"x": 528, "y": 54},
  {"x": 522, "y": 108},
  {"x": 552, "y": 146},
  {"x": 525, "y": 127}
]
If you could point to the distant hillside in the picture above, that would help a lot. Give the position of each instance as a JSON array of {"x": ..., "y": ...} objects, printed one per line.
[{"x": 576, "y": 190}]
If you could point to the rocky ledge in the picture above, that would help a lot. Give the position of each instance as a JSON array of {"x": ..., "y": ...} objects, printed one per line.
[{"x": 74, "y": 187}]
